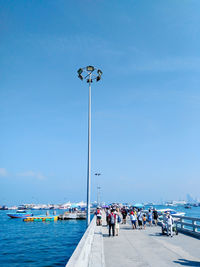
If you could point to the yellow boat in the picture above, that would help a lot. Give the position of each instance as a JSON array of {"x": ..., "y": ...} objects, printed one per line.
[{"x": 41, "y": 218}]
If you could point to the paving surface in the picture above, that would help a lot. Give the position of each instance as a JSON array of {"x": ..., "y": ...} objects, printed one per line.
[{"x": 149, "y": 248}]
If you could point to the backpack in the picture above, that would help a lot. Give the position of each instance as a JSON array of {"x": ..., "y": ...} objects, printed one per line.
[
  {"x": 118, "y": 219},
  {"x": 112, "y": 219},
  {"x": 98, "y": 211}
]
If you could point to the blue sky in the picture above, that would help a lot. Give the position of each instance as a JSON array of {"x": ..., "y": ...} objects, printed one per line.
[{"x": 145, "y": 110}]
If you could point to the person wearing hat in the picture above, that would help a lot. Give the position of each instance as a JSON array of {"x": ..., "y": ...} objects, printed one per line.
[{"x": 133, "y": 219}]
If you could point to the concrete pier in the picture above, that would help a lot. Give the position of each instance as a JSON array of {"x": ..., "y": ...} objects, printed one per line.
[
  {"x": 134, "y": 248},
  {"x": 149, "y": 248},
  {"x": 90, "y": 251}
]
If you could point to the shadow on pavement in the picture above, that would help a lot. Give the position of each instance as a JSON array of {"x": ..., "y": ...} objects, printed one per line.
[
  {"x": 157, "y": 234},
  {"x": 187, "y": 262},
  {"x": 105, "y": 235}
]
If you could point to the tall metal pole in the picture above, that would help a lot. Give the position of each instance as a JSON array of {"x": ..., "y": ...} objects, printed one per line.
[
  {"x": 98, "y": 195},
  {"x": 89, "y": 154},
  {"x": 93, "y": 74}
]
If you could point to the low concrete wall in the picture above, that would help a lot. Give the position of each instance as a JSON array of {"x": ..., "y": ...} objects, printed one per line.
[{"x": 89, "y": 247}]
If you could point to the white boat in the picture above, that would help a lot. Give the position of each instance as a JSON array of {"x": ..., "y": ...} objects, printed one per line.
[
  {"x": 73, "y": 216},
  {"x": 162, "y": 212}
]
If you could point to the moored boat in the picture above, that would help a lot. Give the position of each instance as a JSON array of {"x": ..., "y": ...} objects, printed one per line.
[
  {"x": 20, "y": 214},
  {"x": 187, "y": 207},
  {"x": 162, "y": 212},
  {"x": 73, "y": 216}
]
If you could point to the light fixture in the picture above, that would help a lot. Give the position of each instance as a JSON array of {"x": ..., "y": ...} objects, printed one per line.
[
  {"x": 89, "y": 74},
  {"x": 99, "y": 72},
  {"x": 89, "y": 80},
  {"x": 80, "y": 76},
  {"x": 90, "y": 68},
  {"x": 98, "y": 78},
  {"x": 80, "y": 71}
]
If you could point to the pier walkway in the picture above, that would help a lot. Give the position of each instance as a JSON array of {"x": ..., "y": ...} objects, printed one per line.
[
  {"x": 149, "y": 248},
  {"x": 134, "y": 248}
]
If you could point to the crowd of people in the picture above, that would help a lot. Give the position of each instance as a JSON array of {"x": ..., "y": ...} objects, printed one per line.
[{"x": 138, "y": 218}]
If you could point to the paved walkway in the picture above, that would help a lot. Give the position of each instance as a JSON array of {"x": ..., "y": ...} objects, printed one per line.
[{"x": 149, "y": 248}]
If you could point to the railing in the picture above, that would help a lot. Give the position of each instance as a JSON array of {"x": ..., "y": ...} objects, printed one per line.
[
  {"x": 81, "y": 255},
  {"x": 89, "y": 252},
  {"x": 189, "y": 225}
]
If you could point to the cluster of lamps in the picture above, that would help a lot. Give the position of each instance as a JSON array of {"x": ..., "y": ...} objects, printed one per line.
[
  {"x": 89, "y": 70},
  {"x": 89, "y": 73}
]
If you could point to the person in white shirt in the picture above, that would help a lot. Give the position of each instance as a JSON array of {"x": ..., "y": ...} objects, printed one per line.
[
  {"x": 169, "y": 225},
  {"x": 117, "y": 222},
  {"x": 133, "y": 219}
]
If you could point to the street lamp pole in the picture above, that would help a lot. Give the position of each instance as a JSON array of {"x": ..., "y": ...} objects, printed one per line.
[
  {"x": 89, "y": 154},
  {"x": 89, "y": 73},
  {"x": 98, "y": 195},
  {"x": 98, "y": 190}
]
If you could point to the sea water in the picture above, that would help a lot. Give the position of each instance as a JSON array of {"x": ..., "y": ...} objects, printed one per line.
[
  {"x": 46, "y": 244},
  {"x": 38, "y": 244}
]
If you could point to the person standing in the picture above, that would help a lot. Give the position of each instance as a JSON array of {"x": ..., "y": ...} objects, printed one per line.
[
  {"x": 133, "y": 219},
  {"x": 112, "y": 221},
  {"x": 150, "y": 217},
  {"x": 140, "y": 219}
]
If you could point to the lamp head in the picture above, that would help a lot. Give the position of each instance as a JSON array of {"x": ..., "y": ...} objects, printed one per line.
[
  {"x": 80, "y": 71},
  {"x": 98, "y": 78},
  {"x": 99, "y": 72},
  {"x": 90, "y": 68},
  {"x": 89, "y": 80},
  {"x": 80, "y": 77}
]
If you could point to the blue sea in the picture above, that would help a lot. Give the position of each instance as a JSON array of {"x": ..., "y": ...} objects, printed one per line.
[
  {"x": 46, "y": 244},
  {"x": 41, "y": 244}
]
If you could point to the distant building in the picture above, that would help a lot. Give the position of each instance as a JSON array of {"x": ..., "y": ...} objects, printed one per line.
[{"x": 190, "y": 199}]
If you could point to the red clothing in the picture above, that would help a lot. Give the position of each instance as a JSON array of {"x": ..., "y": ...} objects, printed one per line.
[{"x": 110, "y": 215}]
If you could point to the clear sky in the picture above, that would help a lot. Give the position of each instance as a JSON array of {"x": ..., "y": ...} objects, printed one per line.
[{"x": 145, "y": 110}]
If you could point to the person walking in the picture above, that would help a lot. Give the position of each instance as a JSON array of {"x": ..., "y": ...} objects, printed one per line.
[
  {"x": 99, "y": 216},
  {"x": 112, "y": 221},
  {"x": 144, "y": 221},
  {"x": 133, "y": 219},
  {"x": 155, "y": 216},
  {"x": 124, "y": 215},
  {"x": 140, "y": 219},
  {"x": 150, "y": 217},
  {"x": 169, "y": 225},
  {"x": 117, "y": 222},
  {"x": 107, "y": 215}
]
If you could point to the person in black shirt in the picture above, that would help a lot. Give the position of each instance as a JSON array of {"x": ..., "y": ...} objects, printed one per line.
[
  {"x": 155, "y": 216},
  {"x": 124, "y": 215}
]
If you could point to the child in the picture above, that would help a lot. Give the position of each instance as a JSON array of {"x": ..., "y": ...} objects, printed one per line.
[{"x": 144, "y": 221}]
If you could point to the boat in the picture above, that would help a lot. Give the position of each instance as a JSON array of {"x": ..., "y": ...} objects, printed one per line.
[
  {"x": 162, "y": 212},
  {"x": 187, "y": 207},
  {"x": 20, "y": 214},
  {"x": 73, "y": 216},
  {"x": 40, "y": 218}
]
